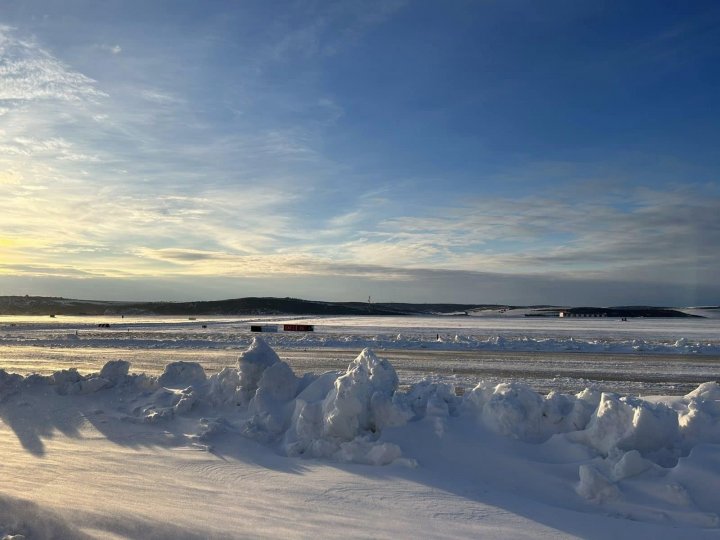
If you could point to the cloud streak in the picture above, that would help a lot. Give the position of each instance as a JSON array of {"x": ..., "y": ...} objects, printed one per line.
[{"x": 28, "y": 72}]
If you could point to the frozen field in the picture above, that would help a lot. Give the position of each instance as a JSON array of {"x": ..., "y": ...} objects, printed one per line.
[
  {"x": 207, "y": 434},
  {"x": 641, "y": 356}
]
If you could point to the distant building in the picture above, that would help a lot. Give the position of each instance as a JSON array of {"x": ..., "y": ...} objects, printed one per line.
[
  {"x": 592, "y": 314},
  {"x": 263, "y": 328},
  {"x": 298, "y": 327}
]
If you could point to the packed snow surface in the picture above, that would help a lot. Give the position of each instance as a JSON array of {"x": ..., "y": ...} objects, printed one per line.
[
  {"x": 640, "y": 356},
  {"x": 442, "y": 333},
  {"x": 499, "y": 461}
]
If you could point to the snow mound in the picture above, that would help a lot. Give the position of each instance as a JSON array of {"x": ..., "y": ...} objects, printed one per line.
[
  {"x": 9, "y": 384},
  {"x": 182, "y": 374},
  {"x": 699, "y": 416},
  {"x": 115, "y": 371},
  {"x": 165, "y": 404},
  {"x": 270, "y": 406},
  {"x": 517, "y": 411},
  {"x": 627, "y": 423},
  {"x": 343, "y": 422},
  {"x": 251, "y": 365},
  {"x": 361, "y": 398},
  {"x": 70, "y": 382}
]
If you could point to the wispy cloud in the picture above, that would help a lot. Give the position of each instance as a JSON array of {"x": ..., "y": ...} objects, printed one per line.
[
  {"x": 109, "y": 177},
  {"x": 600, "y": 237},
  {"x": 28, "y": 72},
  {"x": 322, "y": 29},
  {"x": 113, "y": 49}
]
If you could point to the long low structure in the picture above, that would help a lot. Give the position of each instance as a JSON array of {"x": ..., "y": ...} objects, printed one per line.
[
  {"x": 264, "y": 328},
  {"x": 286, "y": 328},
  {"x": 298, "y": 328},
  {"x": 564, "y": 314},
  {"x": 623, "y": 312}
]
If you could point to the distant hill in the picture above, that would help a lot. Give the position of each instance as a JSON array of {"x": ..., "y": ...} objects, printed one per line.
[
  {"x": 42, "y": 305},
  {"x": 39, "y": 305}
]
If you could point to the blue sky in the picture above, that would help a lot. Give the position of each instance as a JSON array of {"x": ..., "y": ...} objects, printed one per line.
[{"x": 522, "y": 152}]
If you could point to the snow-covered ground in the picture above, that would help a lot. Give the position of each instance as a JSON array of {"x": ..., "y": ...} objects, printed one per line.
[
  {"x": 640, "y": 356},
  {"x": 259, "y": 450},
  {"x": 544, "y": 334}
]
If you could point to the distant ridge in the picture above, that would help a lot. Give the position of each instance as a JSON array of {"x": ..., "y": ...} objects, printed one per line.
[
  {"x": 40, "y": 305},
  {"x": 43, "y": 305}
]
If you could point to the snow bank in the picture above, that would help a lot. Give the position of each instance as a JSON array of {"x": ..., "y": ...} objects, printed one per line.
[
  {"x": 333, "y": 414},
  {"x": 343, "y": 415},
  {"x": 346, "y": 416}
]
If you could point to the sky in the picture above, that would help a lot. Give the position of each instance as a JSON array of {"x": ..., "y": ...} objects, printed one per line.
[{"x": 522, "y": 152}]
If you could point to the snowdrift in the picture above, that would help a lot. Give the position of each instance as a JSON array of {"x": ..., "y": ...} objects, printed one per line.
[{"x": 635, "y": 458}]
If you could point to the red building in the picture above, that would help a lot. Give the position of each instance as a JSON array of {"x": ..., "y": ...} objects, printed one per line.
[{"x": 298, "y": 327}]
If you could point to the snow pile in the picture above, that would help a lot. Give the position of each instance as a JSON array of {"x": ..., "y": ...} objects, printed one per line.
[
  {"x": 182, "y": 373},
  {"x": 604, "y": 422},
  {"x": 251, "y": 367},
  {"x": 618, "y": 446},
  {"x": 343, "y": 415},
  {"x": 699, "y": 415},
  {"x": 627, "y": 423},
  {"x": 10, "y": 384},
  {"x": 334, "y": 416},
  {"x": 115, "y": 372},
  {"x": 344, "y": 421},
  {"x": 517, "y": 411},
  {"x": 165, "y": 403},
  {"x": 70, "y": 382},
  {"x": 328, "y": 416},
  {"x": 270, "y": 405}
]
